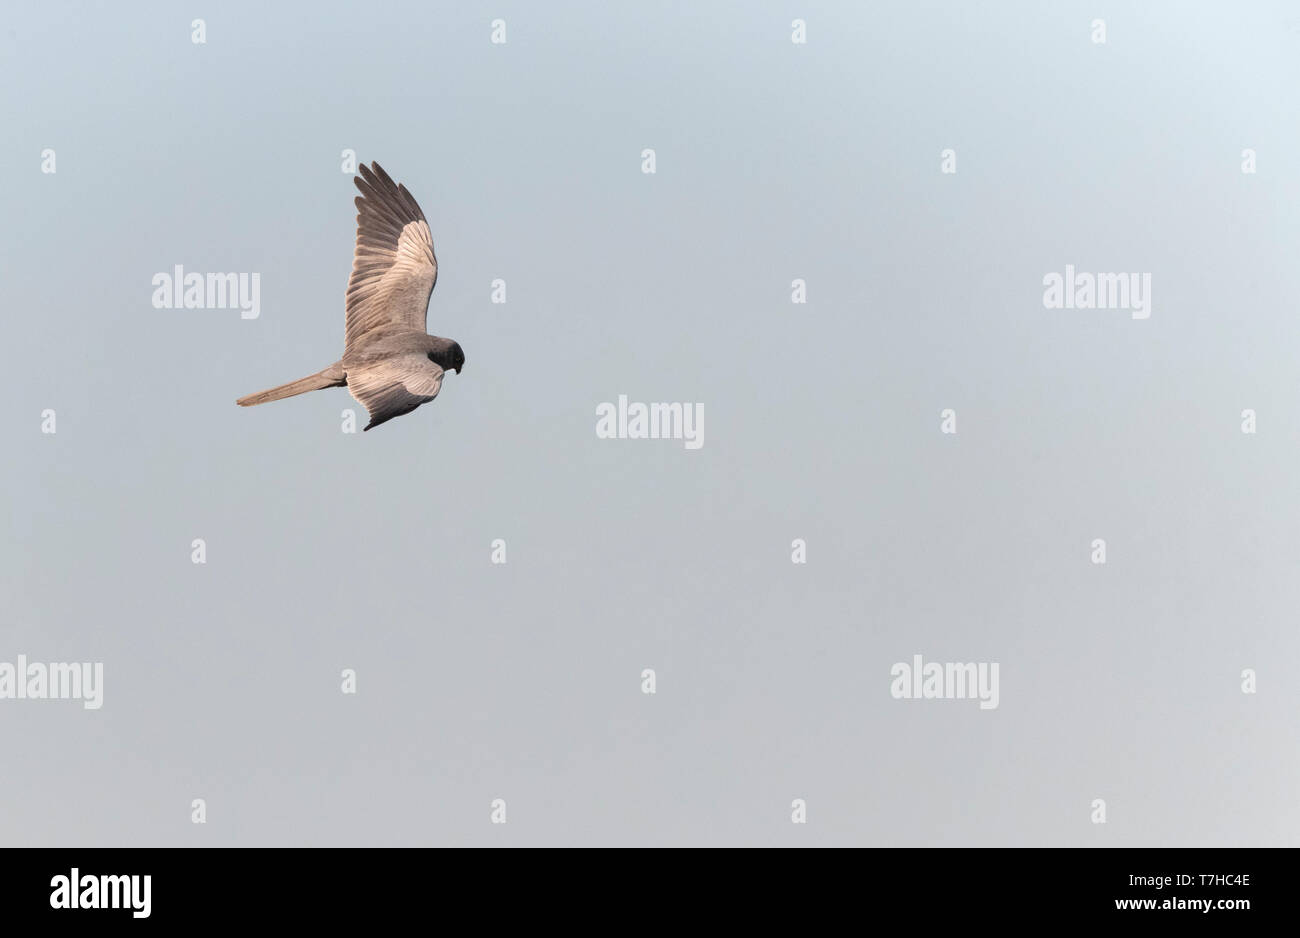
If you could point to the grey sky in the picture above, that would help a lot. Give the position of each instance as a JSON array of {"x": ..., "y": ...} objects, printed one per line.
[{"x": 775, "y": 161}]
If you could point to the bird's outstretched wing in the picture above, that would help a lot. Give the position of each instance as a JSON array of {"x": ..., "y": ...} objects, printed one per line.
[
  {"x": 393, "y": 267},
  {"x": 390, "y": 387}
]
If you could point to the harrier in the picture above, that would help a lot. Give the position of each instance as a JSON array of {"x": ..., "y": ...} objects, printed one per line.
[{"x": 390, "y": 364}]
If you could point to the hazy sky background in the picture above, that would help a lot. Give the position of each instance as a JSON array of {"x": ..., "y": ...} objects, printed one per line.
[{"x": 775, "y": 161}]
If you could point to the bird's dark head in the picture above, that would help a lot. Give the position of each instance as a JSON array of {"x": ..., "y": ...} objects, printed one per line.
[{"x": 446, "y": 354}]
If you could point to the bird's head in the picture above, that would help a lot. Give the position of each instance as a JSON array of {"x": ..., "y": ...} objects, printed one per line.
[{"x": 446, "y": 354}]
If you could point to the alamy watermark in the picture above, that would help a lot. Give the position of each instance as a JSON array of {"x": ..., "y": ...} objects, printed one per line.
[
  {"x": 946, "y": 680},
  {"x": 86, "y": 891},
  {"x": 1098, "y": 291},
  {"x": 179, "y": 290},
  {"x": 59, "y": 680},
  {"x": 638, "y": 421}
]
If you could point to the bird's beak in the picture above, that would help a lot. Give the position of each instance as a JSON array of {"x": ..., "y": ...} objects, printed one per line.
[{"x": 458, "y": 367}]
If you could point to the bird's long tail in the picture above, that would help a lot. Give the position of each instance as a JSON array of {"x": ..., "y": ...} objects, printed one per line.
[{"x": 331, "y": 377}]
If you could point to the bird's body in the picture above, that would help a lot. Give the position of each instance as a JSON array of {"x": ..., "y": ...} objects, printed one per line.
[{"x": 390, "y": 364}]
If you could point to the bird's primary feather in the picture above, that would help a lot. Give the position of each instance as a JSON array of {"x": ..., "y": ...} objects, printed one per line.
[{"x": 393, "y": 267}]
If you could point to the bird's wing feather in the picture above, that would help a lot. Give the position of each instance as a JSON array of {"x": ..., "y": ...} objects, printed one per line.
[
  {"x": 390, "y": 387},
  {"x": 393, "y": 267}
]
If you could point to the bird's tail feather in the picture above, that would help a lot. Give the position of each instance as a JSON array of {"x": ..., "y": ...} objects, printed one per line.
[{"x": 331, "y": 377}]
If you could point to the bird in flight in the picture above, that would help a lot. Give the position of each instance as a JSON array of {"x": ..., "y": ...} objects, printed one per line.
[{"x": 390, "y": 364}]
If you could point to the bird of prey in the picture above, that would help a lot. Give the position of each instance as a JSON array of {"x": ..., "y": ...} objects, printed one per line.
[{"x": 390, "y": 364}]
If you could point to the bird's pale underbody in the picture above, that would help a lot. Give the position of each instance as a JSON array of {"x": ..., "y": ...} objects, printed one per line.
[{"x": 390, "y": 364}]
